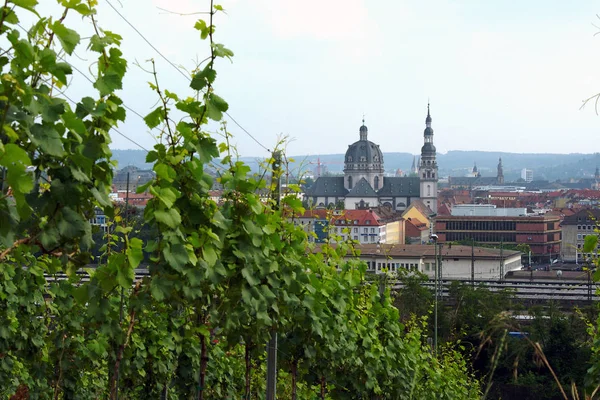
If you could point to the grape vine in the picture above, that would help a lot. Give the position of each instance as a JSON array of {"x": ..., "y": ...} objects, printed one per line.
[{"x": 221, "y": 276}]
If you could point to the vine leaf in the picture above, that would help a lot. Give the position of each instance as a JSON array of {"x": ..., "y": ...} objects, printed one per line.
[{"x": 68, "y": 37}]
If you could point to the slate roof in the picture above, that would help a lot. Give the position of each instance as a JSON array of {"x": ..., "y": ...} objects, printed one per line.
[
  {"x": 402, "y": 186},
  {"x": 468, "y": 181},
  {"x": 585, "y": 216},
  {"x": 362, "y": 189},
  {"x": 330, "y": 186}
]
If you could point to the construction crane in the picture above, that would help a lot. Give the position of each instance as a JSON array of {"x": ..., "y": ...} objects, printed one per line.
[{"x": 320, "y": 164}]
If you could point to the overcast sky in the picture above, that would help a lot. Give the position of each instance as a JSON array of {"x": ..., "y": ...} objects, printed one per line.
[{"x": 500, "y": 75}]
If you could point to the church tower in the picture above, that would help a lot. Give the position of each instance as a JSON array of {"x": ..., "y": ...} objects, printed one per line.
[
  {"x": 500, "y": 176},
  {"x": 428, "y": 169}
]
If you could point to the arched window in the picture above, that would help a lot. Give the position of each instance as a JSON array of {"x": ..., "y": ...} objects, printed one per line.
[
  {"x": 428, "y": 190},
  {"x": 349, "y": 182},
  {"x": 376, "y": 183}
]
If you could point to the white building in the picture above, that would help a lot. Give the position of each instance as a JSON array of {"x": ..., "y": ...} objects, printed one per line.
[
  {"x": 527, "y": 175},
  {"x": 455, "y": 260}
]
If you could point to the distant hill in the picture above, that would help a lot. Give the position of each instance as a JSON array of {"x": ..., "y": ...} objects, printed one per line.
[{"x": 454, "y": 163}]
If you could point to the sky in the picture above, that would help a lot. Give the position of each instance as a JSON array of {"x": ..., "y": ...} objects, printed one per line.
[{"x": 500, "y": 76}]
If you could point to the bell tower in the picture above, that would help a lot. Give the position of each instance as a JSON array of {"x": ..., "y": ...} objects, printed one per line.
[{"x": 428, "y": 169}]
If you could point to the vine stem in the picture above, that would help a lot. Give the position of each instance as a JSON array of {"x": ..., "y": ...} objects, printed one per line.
[
  {"x": 3, "y": 14},
  {"x": 248, "y": 370},
  {"x": 113, "y": 379},
  {"x": 15, "y": 245},
  {"x": 211, "y": 63},
  {"x": 203, "y": 364},
  {"x": 294, "y": 377}
]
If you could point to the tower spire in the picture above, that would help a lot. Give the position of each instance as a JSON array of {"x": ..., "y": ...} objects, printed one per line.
[
  {"x": 428, "y": 170},
  {"x": 500, "y": 176},
  {"x": 363, "y": 129}
]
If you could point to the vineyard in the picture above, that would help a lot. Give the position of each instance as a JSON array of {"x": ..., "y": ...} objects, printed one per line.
[{"x": 222, "y": 278}]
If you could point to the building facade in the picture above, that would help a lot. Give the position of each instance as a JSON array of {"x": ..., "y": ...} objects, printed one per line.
[
  {"x": 456, "y": 261},
  {"x": 362, "y": 226},
  {"x": 575, "y": 228},
  {"x": 364, "y": 184},
  {"x": 541, "y": 233}
]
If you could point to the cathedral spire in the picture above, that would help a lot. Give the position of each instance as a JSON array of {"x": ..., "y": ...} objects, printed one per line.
[{"x": 428, "y": 119}]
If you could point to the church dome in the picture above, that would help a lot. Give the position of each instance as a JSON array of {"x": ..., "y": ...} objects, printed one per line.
[{"x": 364, "y": 154}]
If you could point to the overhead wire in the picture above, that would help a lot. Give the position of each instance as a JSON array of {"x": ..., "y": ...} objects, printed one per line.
[
  {"x": 182, "y": 73},
  {"x": 89, "y": 79},
  {"x": 75, "y": 104},
  {"x": 112, "y": 128}
]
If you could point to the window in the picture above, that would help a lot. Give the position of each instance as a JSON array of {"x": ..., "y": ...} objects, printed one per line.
[
  {"x": 427, "y": 266},
  {"x": 372, "y": 230},
  {"x": 376, "y": 181},
  {"x": 349, "y": 182},
  {"x": 367, "y": 222},
  {"x": 355, "y": 230},
  {"x": 355, "y": 237},
  {"x": 365, "y": 230}
]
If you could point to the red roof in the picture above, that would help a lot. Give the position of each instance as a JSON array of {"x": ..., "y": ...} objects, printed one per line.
[
  {"x": 444, "y": 210},
  {"x": 345, "y": 217},
  {"x": 413, "y": 227}
]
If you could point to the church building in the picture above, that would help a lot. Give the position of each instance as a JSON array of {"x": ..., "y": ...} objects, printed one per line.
[{"x": 364, "y": 184}]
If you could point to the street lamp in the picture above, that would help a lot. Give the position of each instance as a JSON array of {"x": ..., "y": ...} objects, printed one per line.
[{"x": 434, "y": 238}]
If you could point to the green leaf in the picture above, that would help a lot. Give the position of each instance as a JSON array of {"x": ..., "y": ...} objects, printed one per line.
[
  {"x": 71, "y": 225},
  {"x": 26, "y": 4},
  {"x": 155, "y": 118},
  {"x": 108, "y": 83},
  {"x": 14, "y": 155},
  {"x": 590, "y": 243},
  {"x": 210, "y": 256},
  {"x": 250, "y": 278},
  {"x": 170, "y": 217},
  {"x": 203, "y": 78},
  {"x": 207, "y": 149},
  {"x": 222, "y": 51},
  {"x": 48, "y": 139},
  {"x": 215, "y": 107},
  {"x": 60, "y": 71},
  {"x": 166, "y": 195},
  {"x": 135, "y": 253},
  {"x": 68, "y": 37},
  {"x": 176, "y": 255},
  {"x": 73, "y": 123},
  {"x": 203, "y": 28}
]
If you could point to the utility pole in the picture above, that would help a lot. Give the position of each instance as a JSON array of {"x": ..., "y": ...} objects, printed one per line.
[
  {"x": 501, "y": 259},
  {"x": 435, "y": 301},
  {"x": 121, "y": 305},
  {"x": 472, "y": 262},
  {"x": 272, "y": 344}
]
